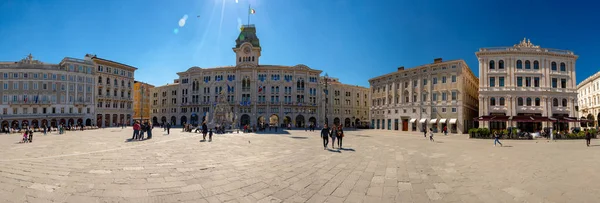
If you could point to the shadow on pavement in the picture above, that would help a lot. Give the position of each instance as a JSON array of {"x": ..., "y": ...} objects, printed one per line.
[
  {"x": 331, "y": 150},
  {"x": 507, "y": 146},
  {"x": 362, "y": 135},
  {"x": 132, "y": 140},
  {"x": 348, "y": 149},
  {"x": 295, "y": 137}
]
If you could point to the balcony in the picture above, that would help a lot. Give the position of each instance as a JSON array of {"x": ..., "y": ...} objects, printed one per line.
[{"x": 29, "y": 102}]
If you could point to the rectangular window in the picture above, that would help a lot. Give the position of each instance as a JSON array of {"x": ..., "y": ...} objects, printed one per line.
[
  {"x": 563, "y": 83},
  {"x": 444, "y": 97},
  {"x": 492, "y": 82},
  {"x": 443, "y": 79},
  {"x": 15, "y": 85},
  {"x": 519, "y": 81},
  {"x": 454, "y": 95},
  {"x": 501, "y": 81},
  {"x": 554, "y": 83},
  {"x": 415, "y": 83},
  {"x": 527, "y": 81},
  {"x": 453, "y": 110},
  {"x": 434, "y": 97},
  {"x": 443, "y": 109},
  {"x": 454, "y": 78},
  {"x": 434, "y": 81},
  {"x": 536, "y": 82},
  {"x": 424, "y": 82}
]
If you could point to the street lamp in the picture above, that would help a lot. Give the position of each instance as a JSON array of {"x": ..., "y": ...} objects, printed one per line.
[{"x": 326, "y": 98}]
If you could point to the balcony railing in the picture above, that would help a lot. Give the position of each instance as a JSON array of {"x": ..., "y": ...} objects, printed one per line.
[{"x": 29, "y": 102}]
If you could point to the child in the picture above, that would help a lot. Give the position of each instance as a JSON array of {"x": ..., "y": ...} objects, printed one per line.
[
  {"x": 25, "y": 137},
  {"x": 431, "y": 134},
  {"x": 210, "y": 135}
]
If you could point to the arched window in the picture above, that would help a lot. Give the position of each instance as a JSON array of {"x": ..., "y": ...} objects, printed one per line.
[
  {"x": 519, "y": 64},
  {"x": 527, "y": 64},
  {"x": 562, "y": 67},
  {"x": 100, "y": 79},
  {"x": 240, "y": 59},
  {"x": 116, "y": 82},
  {"x": 501, "y": 101},
  {"x": 493, "y": 101},
  {"x": 564, "y": 102},
  {"x": 108, "y": 81},
  {"x": 528, "y": 101},
  {"x": 536, "y": 65},
  {"x": 537, "y": 101},
  {"x": 122, "y": 83},
  {"x": 553, "y": 66},
  {"x": 501, "y": 64},
  {"x": 520, "y": 101},
  {"x": 555, "y": 102},
  {"x": 492, "y": 64},
  {"x": 252, "y": 58}
]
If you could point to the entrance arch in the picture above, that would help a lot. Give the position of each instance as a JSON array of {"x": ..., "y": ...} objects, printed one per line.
[
  {"x": 590, "y": 119},
  {"x": 115, "y": 120},
  {"x": 347, "y": 122},
  {"x": 71, "y": 122},
  {"x": 4, "y": 124},
  {"x": 299, "y": 121},
  {"x": 34, "y": 123},
  {"x": 44, "y": 123},
  {"x": 260, "y": 120},
  {"x": 312, "y": 121},
  {"x": 14, "y": 124},
  {"x": 88, "y": 122},
  {"x": 99, "y": 120},
  {"x": 154, "y": 120},
  {"x": 274, "y": 120},
  {"x": 194, "y": 119},
  {"x": 357, "y": 122},
  {"x": 173, "y": 120},
  {"x": 245, "y": 120},
  {"x": 287, "y": 120},
  {"x": 53, "y": 123},
  {"x": 163, "y": 120},
  {"x": 183, "y": 120},
  {"x": 79, "y": 121},
  {"x": 336, "y": 121},
  {"x": 24, "y": 124}
]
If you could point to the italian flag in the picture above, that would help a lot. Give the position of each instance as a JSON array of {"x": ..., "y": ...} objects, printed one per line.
[{"x": 252, "y": 11}]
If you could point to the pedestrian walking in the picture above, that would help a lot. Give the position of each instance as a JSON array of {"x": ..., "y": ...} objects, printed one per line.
[
  {"x": 431, "y": 134},
  {"x": 25, "y": 139},
  {"x": 445, "y": 130},
  {"x": 340, "y": 135},
  {"x": 210, "y": 133},
  {"x": 168, "y": 128},
  {"x": 30, "y": 135},
  {"x": 496, "y": 138},
  {"x": 45, "y": 129},
  {"x": 588, "y": 137},
  {"x": 333, "y": 135},
  {"x": 425, "y": 132},
  {"x": 325, "y": 136},
  {"x": 204, "y": 131},
  {"x": 149, "y": 129},
  {"x": 142, "y": 130}
]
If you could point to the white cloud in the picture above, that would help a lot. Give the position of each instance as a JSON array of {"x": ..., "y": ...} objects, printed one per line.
[{"x": 182, "y": 21}]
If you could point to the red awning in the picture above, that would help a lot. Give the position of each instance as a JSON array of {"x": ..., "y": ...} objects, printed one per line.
[{"x": 531, "y": 119}]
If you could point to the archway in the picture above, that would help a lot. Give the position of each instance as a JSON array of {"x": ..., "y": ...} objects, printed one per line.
[
  {"x": 347, "y": 122},
  {"x": 24, "y": 124},
  {"x": 336, "y": 121},
  {"x": 260, "y": 120},
  {"x": 245, "y": 120},
  {"x": 590, "y": 119},
  {"x": 287, "y": 120},
  {"x": 35, "y": 124},
  {"x": 357, "y": 122},
  {"x": 71, "y": 122},
  {"x": 598, "y": 121},
  {"x": 583, "y": 123},
  {"x": 183, "y": 120},
  {"x": 274, "y": 120},
  {"x": 122, "y": 119},
  {"x": 115, "y": 120},
  {"x": 53, "y": 123},
  {"x": 106, "y": 120},
  {"x": 194, "y": 119},
  {"x": 99, "y": 120},
  {"x": 44, "y": 123},
  {"x": 312, "y": 121},
  {"x": 154, "y": 120},
  {"x": 128, "y": 119},
  {"x": 79, "y": 121},
  {"x": 4, "y": 124},
  {"x": 88, "y": 122},
  {"x": 173, "y": 120},
  {"x": 14, "y": 124},
  {"x": 299, "y": 121},
  {"x": 163, "y": 120}
]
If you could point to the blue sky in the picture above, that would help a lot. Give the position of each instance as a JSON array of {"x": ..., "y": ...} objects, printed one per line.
[{"x": 353, "y": 40}]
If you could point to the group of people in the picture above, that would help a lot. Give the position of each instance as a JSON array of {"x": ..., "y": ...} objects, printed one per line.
[
  {"x": 140, "y": 129},
  {"x": 430, "y": 134},
  {"x": 336, "y": 132},
  {"x": 27, "y": 136}
]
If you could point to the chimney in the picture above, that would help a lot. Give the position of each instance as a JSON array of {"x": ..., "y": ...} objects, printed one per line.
[
  {"x": 437, "y": 60},
  {"x": 400, "y": 68}
]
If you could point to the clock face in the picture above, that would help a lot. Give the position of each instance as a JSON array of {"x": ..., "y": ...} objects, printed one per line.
[{"x": 247, "y": 50}]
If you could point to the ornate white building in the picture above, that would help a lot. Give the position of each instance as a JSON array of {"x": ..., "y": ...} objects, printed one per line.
[
  {"x": 589, "y": 99},
  {"x": 35, "y": 94},
  {"x": 269, "y": 94},
  {"x": 527, "y": 86},
  {"x": 437, "y": 95}
]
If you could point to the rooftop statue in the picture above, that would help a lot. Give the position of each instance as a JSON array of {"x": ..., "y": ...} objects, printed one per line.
[{"x": 526, "y": 43}]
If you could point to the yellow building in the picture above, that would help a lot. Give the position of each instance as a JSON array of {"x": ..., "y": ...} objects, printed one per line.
[{"x": 141, "y": 100}]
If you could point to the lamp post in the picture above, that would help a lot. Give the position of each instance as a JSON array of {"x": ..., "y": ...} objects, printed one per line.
[{"x": 326, "y": 98}]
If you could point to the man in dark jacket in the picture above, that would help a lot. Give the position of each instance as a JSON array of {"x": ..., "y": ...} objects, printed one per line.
[{"x": 325, "y": 136}]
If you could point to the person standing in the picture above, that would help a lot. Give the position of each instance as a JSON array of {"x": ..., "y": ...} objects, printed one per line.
[
  {"x": 136, "y": 131},
  {"x": 333, "y": 135},
  {"x": 588, "y": 137},
  {"x": 496, "y": 138},
  {"x": 340, "y": 135},
  {"x": 30, "y": 135},
  {"x": 446, "y": 130},
  {"x": 425, "y": 132},
  {"x": 44, "y": 126},
  {"x": 210, "y": 133},
  {"x": 431, "y": 134},
  {"x": 149, "y": 128},
  {"x": 142, "y": 130},
  {"x": 204, "y": 130},
  {"x": 325, "y": 136},
  {"x": 168, "y": 128}
]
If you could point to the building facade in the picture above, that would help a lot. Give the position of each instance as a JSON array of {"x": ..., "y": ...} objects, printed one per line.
[
  {"x": 346, "y": 104},
  {"x": 431, "y": 96},
  {"x": 36, "y": 94},
  {"x": 526, "y": 86},
  {"x": 275, "y": 95},
  {"x": 142, "y": 100},
  {"x": 589, "y": 99},
  {"x": 114, "y": 99}
]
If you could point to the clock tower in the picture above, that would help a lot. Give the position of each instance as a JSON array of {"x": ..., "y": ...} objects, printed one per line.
[{"x": 247, "y": 47}]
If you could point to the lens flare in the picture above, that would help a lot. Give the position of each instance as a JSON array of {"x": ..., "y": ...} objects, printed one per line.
[{"x": 176, "y": 31}]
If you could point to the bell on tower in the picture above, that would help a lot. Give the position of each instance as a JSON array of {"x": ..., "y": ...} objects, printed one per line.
[{"x": 247, "y": 46}]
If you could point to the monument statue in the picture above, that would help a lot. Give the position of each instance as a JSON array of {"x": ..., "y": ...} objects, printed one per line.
[{"x": 223, "y": 113}]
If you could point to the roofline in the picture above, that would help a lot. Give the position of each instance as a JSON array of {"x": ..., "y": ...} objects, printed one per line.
[
  {"x": 588, "y": 80},
  {"x": 419, "y": 66},
  {"x": 106, "y": 60}
]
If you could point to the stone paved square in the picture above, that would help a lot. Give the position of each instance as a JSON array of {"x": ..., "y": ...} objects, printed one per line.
[{"x": 374, "y": 166}]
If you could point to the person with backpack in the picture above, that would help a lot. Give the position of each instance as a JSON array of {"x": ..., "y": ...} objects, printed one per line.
[
  {"x": 325, "y": 136},
  {"x": 496, "y": 138}
]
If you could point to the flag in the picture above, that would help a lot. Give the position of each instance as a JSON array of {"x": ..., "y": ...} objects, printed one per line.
[
  {"x": 260, "y": 88},
  {"x": 36, "y": 99},
  {"x": 228, "y": 88},
  {"x": 252, "y": 11},
  {"x": 25, "y": 98}
]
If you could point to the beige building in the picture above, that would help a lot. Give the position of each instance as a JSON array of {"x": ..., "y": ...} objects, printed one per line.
[
  {"x": 276, "y": 95},
  {"x": 39, "y": 94},
  {"x": 347, "y": 104},
  {"x": 164, "y": 103},
  {"x": 141, "y": 100},
  {"x": 437, "y": 95},
  {"x": 527, "y": 86},
  {"x": 589, "y": 99},
  {"x": 114, "y": 99}
]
